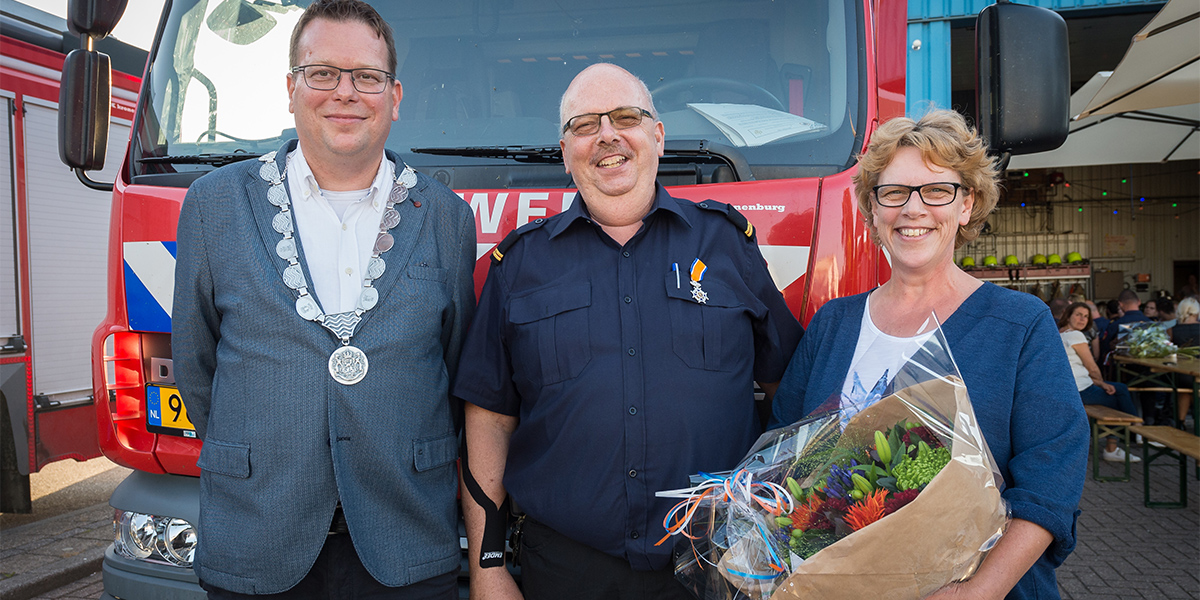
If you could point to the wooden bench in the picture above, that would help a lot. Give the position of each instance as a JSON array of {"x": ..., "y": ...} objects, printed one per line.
[
  {"x": 1105, "y": 422},
  {"x": 1175, "y": 443}
]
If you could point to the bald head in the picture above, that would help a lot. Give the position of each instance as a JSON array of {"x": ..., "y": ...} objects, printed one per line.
[{"x": 606, "y": 71}]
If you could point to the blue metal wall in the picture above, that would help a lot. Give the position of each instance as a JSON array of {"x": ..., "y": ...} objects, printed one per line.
[{"x": 928, "y": 72}]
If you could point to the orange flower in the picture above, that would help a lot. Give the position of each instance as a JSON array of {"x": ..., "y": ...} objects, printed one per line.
[
  {"x": 867, "y": 511},
  {"x": 802, "y": 515}
]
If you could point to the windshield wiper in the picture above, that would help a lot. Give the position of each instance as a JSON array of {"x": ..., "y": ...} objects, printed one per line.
[
  {"x": 553, "y": 154},
  {"x": 219, "y": 160},
  {"x": 536, "y": 154}
]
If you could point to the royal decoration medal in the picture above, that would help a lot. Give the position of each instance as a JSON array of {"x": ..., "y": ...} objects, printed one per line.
[{"x": 697, "y": 274}]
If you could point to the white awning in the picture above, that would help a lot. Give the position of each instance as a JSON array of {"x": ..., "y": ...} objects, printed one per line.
[
  {"x": 1143, "y": 136},
  {"x": 1161, "y": 67}
]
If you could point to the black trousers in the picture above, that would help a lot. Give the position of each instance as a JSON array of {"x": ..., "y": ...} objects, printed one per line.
[
  {"x": 339, "y": 574},
  {"x": 554, "y": 567}
]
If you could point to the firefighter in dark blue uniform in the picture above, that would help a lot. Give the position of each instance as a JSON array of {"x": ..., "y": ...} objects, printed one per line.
[{"x": 614, "y": 353}]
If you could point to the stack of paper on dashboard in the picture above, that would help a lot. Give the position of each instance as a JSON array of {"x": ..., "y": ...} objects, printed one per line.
[{"x": 753, "y": 125}]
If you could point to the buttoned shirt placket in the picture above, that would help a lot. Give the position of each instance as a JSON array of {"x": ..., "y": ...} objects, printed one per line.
[
  {"x": 634, "y": 389},
  {"x": 336, "y": 249}
]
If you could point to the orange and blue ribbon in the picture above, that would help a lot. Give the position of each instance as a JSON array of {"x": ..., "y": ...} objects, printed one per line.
[{"x": 698, "y": 269}]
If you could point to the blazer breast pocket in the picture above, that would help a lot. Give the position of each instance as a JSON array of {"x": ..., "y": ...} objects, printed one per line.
[
  {"x": 713, "y": 335},
  {"x": 427, "y": 273},
  {"x": 551, "y": 339}
]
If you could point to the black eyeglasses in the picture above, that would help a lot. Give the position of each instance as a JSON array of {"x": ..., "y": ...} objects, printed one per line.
[
  {"x": 327, "y": 77},
  {"x": 621, "y": 118},
  {"x": 939, "y": 193}
]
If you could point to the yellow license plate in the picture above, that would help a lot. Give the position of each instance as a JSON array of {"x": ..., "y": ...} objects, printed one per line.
[{"x": 166, "y": 413}]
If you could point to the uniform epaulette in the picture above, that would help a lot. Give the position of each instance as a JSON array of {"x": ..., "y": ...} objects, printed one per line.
[
  {"x": 738, "y": 219},
  {"x": 510, "y": 239}
]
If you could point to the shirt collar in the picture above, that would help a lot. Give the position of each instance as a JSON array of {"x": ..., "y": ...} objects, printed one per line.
[
  {"x": 382, "y": 181},
  {"x": 578, "y": 211}
]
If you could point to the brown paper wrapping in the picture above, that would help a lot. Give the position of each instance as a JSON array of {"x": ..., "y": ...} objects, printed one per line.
[{"x": 934, "y": 540}]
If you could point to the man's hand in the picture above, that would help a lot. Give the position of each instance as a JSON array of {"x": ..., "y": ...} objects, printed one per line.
[{"x": 1108, "y": 388}]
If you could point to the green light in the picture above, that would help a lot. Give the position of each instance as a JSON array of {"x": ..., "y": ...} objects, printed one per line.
[
  {"x": 1174, "y": 205},
  {"x": 1080, "y": 209},
  {"x": 1103, "y": 193},
  {"x": 1124, "y": 181},
  {"x": 1025, "y": 174}
]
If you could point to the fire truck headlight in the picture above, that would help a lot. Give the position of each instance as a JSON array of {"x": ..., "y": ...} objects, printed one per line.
[
  {"x": 177, "y": 542},
  {"x": 135, "y": 534},
  {"x": 151, "y": 538}
]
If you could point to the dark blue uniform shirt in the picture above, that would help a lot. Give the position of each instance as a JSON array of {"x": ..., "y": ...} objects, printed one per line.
[{"x": 623, "y": 383}]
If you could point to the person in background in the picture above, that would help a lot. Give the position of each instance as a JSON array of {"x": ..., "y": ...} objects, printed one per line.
[
  {"x": 1100, "y": 318},
  {"x": 1057, "y": 306},
  {"x": 1166, "y": 312},
  {"x": 1130, "y": 311},
  {"x": 1187, "y": 328},
  {"x": 924, "y": 188},
  {"x": 1093, "y": 332},
  {"x": 1092, "y": 387},
  {"x": 1186, "y": 334},
  {"x": 1150, "y": 309}
]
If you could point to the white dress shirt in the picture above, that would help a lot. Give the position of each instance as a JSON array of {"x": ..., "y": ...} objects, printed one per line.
[{"x": 337, "y": 246}]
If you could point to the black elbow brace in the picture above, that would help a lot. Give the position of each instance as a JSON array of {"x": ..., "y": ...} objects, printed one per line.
[{"x": 495, "y": 527}]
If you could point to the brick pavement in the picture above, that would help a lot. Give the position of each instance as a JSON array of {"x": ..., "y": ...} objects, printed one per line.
[
  {"x": 51, "y": 552},
  {"x": 88, "y": 588},
  {"x": 1127, "y": 551}
]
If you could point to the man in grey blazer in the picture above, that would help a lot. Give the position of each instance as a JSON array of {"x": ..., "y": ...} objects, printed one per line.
[{"x": 321, "y": 298}]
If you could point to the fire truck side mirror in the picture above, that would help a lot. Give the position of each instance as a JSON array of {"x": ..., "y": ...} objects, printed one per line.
[
  {"x": 95, "y": 18},
  {"x": 83, "y": 109},
  {"x": 1023, "y": 76}
]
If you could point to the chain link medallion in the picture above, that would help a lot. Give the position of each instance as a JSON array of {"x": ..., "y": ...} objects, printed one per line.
[{"x": 348, "y": 365}]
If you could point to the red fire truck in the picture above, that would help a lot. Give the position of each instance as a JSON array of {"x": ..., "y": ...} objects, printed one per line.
[
  {"x": 765, "y": 105},
  {"x": 53, "y": 243}
]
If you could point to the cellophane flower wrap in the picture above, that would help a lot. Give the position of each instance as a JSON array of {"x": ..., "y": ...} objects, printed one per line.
[{"x": 883, "y": 493}]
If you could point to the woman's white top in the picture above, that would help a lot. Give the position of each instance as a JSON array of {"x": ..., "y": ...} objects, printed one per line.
[
  {"x": 877, "y": 358},
  {"x": 1072, "y": 338}
]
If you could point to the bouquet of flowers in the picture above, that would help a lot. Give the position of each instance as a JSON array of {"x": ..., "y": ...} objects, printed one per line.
[
  {"x": 1144, "y": 340},
  {"x": 889, "y": 493}
]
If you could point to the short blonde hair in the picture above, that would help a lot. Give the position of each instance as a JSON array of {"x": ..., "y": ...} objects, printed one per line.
[
  {"x": 1188, "y": 307},
  {"x": 945, "y": 140}
]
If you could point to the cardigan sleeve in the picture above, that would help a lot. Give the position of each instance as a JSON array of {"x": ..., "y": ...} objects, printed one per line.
[{"x": 1049, "y": 438}]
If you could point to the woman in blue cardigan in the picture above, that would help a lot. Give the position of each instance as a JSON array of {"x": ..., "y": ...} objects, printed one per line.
[{"x": 926, "y": 187}]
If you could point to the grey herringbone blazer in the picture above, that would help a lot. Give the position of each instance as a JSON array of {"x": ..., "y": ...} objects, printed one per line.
[{"x": 283, "y": 442}]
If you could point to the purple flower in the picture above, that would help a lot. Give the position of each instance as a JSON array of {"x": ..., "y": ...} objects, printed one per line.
[{"x": 839, "y": 484}]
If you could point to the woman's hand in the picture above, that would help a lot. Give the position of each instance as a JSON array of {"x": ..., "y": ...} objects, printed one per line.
[{"x": 1108, "y": 388}]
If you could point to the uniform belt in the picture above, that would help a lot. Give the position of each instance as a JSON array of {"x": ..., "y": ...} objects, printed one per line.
[{"x": 338, "y": 525}]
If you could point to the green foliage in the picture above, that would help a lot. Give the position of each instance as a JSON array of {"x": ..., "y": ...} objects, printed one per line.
[{"x": 915, "y": 473}]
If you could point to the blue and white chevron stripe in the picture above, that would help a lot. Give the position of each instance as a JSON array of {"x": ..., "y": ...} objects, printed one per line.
[{"x": 149, "y": 285}]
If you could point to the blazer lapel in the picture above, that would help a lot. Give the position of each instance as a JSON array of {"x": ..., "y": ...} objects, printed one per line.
[{"x": 264, "y": 214}]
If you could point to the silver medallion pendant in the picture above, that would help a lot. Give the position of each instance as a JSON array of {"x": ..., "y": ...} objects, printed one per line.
[
  {"x": 698, "y": 294},
  {"x": 348, "y": 365}
]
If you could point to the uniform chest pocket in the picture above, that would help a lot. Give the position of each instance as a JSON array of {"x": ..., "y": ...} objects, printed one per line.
[
  {"x": 714, "y": 335},
  {"x": 550, "y": 333}
]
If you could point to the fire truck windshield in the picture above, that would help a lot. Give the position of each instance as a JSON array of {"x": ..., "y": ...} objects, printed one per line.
[{"x": 745, "y": 88}]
